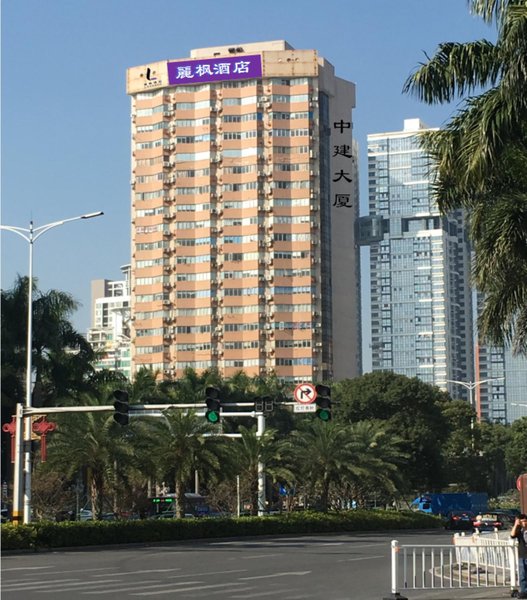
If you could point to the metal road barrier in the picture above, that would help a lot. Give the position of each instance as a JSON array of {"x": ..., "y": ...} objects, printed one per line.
[{"x": 470, "y": 562}]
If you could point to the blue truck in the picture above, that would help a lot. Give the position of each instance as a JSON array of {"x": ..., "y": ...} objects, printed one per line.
[{"x": 441, "y": 504}]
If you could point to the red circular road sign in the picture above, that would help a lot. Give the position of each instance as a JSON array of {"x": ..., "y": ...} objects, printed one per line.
[{"x": 305, "y": 393}]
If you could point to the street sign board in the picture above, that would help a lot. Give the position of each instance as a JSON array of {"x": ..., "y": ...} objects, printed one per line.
[
  {"x": 304, "y": 408},
  {"x": 305, "y": 393}
]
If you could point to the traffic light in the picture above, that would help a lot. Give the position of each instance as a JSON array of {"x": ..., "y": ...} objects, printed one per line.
[
  {"x": 268, "y": 404},
  {"x": 122, "y": 407},
  {"x": 264, "y": 404},
  {"x": 323, "y": 402},
  {"x": 213, "y": 402}
]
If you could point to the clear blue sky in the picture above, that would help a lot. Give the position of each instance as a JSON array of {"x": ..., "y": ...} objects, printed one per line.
[{"x": 65, "y": 112}]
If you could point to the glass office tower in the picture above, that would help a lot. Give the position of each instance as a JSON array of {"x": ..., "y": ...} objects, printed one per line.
[
  {"x": 244, "y": 205},
  {"x": 421, "y": 322}
]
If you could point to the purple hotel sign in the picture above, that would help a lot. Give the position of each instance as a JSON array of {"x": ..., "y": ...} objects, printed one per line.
[{"x": 214, "y": 69}]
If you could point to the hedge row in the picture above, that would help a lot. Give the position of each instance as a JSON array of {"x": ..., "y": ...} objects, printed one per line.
[{"x": 45, "y": 534}]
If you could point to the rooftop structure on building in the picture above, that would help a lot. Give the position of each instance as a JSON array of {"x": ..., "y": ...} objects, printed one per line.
[{"x": 244, "y": 204}]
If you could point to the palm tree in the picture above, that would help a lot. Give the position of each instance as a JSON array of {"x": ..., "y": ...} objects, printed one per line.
[
  {"x": 179, "y": 443},
  {"x": 481, "y": 158},
  {"x": 362, "y": 457},
  {"x": 316, "y": 455},
  {"x": 62, "y": 357},
  {"x": 252, "y": 449},
  {"x": 375, "y": 461},
  {"x": 90, "y": 442}
]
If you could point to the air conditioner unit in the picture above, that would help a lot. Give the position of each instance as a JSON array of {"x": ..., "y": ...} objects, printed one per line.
[
  {"x": 264, "y": 99},
  {"x": 318, "y": 344}
]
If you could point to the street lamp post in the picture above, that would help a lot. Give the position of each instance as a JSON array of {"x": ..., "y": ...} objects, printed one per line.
[
  {"x": 31, "y": 235},
  {"x": 471, "y": 386}
]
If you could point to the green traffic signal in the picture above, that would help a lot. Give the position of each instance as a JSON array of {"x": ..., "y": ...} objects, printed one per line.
[
  {"x": 213, "y": 403},
  {"x": 323, "y": 402}
]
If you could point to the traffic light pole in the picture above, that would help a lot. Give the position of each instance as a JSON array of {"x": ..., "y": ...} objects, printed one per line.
[
  {"x": 138, "y": 410},
  {"x": 261, "y": 468}
]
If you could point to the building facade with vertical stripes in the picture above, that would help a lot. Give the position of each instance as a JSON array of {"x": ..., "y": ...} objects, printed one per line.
[{"x": 244, "y": 205}]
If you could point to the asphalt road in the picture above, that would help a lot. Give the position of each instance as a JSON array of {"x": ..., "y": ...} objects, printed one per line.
[{"x": 318, "y": 567}]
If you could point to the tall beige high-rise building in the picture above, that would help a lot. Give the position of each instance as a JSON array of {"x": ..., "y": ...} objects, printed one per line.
[{"x": 244, "y": 204}]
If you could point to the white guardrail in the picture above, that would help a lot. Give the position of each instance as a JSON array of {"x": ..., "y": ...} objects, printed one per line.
[{"x": 475, "y": 561}]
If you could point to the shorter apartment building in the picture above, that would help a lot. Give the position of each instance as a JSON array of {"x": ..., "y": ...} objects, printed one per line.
[{"x": 109, "y": 334}]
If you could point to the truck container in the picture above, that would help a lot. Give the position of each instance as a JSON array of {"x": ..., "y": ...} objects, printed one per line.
[{"x": 442, "y": 504}]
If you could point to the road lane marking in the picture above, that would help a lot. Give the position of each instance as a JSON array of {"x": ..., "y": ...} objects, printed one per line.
[
  {"x": 142, "y": 583},
  {"x": 25, "y": 568},
  {"x": 57, "y": 586},
  {"x": 284, "y": 574},
  {"x": 140, "y": 572},
  {"x": 260, "y": 594},
  {"x": 29, "y": 585},
  {"x": 258, "y": 556},
  {"x": 190, "y": 589},
  {"x": 331, "y": 544},
  {"x": 362, "y": 558}
]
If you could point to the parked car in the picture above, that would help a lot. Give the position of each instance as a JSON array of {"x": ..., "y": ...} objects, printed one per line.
[
  {"x": 490, "y": 521},
  {"x": 170, "y": 514},
  {"x": 460, "y": 520}
]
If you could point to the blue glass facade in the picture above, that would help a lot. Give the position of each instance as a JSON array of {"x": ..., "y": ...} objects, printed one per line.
[{"x": 419, "y": 265}]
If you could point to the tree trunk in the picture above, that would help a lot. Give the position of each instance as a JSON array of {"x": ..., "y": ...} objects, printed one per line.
[
  {"x": 180, "y": 499},
  {"x": 97, "y": 492}
]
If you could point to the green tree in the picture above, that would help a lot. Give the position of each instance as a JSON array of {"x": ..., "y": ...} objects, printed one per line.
[
  {"x": 481, "y": 158},
  {"x": 411, "y": 410},
  {"x": 516, "y": 453},
  {"x": 249, "y": 451},
  {"x": 375, "y": 466},
  {"x": 178, "y": 445},
  {"x": 90, "y": 442},
  {"x": 317, "y": 457},
  {"x": 337, "y": 458},
  {"x": 62, "y": 358}
]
